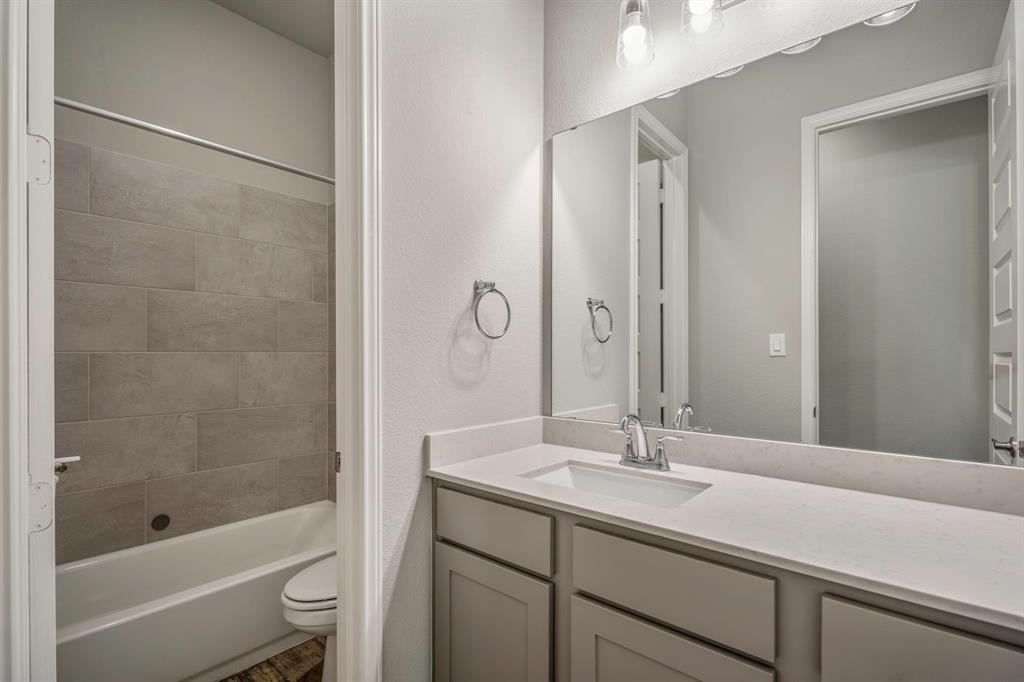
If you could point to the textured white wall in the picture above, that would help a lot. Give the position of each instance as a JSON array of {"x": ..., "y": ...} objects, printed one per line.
[
  {"x": 582, "y": 81},
  {"x": 461, "y": 114}
]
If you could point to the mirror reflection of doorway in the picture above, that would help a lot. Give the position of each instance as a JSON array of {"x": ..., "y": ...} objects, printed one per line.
[{"x": 661, "y": 289}]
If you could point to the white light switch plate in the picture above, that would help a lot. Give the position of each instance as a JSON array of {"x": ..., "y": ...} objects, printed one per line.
[{"x": 776, "y": 345}]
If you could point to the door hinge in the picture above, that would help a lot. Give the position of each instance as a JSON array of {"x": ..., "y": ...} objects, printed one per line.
[
  {"x": 661, "y": 195},
  {"x": 661, "y": 295},
  {"x": 40, "y": 507},
  {"x": 662, "y": 400},
  {"x": 337, "y": 461},
  {"x": 39, "y": 160},
  {"x": 814, "y": 412}
]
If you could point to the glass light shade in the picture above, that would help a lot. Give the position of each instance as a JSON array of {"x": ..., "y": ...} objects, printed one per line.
[
  {"x": 636, "y": 40},
  {"x": 890, "y": 17},
  {"x": 729, "y": 72},
  {"x": 800, "y": 48},
  {"x": 702, "y": 19}
]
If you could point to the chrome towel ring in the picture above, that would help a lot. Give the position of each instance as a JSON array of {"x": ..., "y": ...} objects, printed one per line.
[
  {"x": 594, "y": 305},
  {"x": 481, "y": 289}
]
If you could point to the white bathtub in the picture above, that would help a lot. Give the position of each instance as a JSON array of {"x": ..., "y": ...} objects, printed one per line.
[{"x": 197, "y": 607}]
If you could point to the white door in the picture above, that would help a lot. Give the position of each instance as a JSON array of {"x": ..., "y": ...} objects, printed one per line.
[
  {"x": 37, "y": 525},
  {"x": 1006, "y": 228},
  {"x": 649, "y": 286}
]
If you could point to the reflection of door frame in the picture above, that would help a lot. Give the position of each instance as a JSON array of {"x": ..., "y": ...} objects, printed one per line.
[
  {"x": 903, "y": 102},
  {"x": 674, "y": 154}
]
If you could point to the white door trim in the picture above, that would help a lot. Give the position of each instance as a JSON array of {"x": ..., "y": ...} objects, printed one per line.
[
  {"x": 675, "y": 157},
  {"x": 14, "y": 608},
  {"x": 634, "y": 290},
  {"x": 358, "y": 341},
  {"x": 902, "y": 102},
  {"x": 30, "y": 651}
]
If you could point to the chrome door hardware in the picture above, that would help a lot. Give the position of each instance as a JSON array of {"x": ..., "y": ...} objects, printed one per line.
[
  {"x": 1013, "y": 446},
  {"x": 60, "y": 464}
]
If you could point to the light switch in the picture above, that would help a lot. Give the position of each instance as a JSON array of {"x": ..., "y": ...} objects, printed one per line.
[{"x": 776, "y": 345}]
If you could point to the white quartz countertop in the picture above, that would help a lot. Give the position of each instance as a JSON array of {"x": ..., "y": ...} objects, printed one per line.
[{"x": 955, "y": 559}]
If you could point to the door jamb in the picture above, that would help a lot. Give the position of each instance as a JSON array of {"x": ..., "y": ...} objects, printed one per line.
[
  {"x": 675, "y": 159},
  {"x": 358, "y": 341},
  {"x": 906, "y": 101}
]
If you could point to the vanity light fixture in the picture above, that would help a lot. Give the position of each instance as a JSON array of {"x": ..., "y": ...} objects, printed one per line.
[
  {"x": 702, "y": 19},
  {"x": 729, "y": 72},
  {"x": 800, "y": 48},
  {"x": 890, "y": 17},
  {"x": 670, "y": 93},
  {"x": 636, "y": 41}
]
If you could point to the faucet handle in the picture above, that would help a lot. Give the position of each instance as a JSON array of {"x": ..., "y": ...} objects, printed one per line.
[{"x": 660, "y": 460}]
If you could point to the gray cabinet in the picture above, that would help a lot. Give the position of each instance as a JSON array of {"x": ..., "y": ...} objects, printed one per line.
[
  {"x": 610, "y": 646},
  {"x": 490, "y": 622},
  {"x": 723, "y": 604},
  {"x": 516, "y": 536},
  {"x": 860, "y": 642}
]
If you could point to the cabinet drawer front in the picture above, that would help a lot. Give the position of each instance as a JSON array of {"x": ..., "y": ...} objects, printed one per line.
[
  {"x": 723, "y": 604},
  {"x": 514, "y": 535},
  {"x": 610, "y": 646},
  {"x": 861, "y": 642}
]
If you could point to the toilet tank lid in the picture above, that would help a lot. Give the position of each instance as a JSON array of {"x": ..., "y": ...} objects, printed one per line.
[{"x": 318, "y": 582}]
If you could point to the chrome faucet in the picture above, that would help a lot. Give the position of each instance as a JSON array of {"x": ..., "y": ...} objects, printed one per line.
[
  {"x": 635, "y": 431},
  {"x": 684, "y": 409}
]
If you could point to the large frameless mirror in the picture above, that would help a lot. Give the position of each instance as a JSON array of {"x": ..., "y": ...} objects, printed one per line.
[{"x": 818, "y": 247}]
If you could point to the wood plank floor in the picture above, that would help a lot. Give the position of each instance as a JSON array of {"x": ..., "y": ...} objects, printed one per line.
[{"x": 301, "y": 663}]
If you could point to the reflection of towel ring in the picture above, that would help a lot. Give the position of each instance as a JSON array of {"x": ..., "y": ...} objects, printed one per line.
[
  {"x": 483, "y": 288},
  {"x": 593, "y": 305}
]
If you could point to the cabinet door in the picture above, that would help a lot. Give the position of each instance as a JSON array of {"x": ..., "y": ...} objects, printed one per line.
[
  {"x": 860, "y": 642},
  {"x": 610, "y": 646},
  {"x": 490, "y": 622}
]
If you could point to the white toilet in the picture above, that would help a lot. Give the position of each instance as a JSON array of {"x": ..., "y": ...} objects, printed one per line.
[{"x": 310, "y": 601}]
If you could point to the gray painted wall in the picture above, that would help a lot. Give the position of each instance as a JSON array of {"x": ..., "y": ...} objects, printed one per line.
[
  {"x": 193, "y": 66},
  {"x": 903, "y": 289},
  {"x": 744, "y": 141},
  {"x": 590, "y": 247}
]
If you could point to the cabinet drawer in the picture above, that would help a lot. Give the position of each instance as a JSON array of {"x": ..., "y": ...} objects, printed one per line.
[
  {"x": 611, "y": 646},
  {"x": 514, "y": 535},
  {"x": 861, "y": 642},
  {"x": 723, "y": 604}
]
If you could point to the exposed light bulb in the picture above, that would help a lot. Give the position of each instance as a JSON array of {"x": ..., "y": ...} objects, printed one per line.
[
  {"x": 636, "y": 44},
  {"x": 701, "y": 6},
  {"x": 702, "y": 19},
  {"x": 700, "y": 23}
]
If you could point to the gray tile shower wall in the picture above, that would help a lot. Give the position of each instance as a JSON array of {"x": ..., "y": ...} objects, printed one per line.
[{"x": 194, "y": 348}]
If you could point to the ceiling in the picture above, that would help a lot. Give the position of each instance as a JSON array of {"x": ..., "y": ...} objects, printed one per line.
[{"x": 309, "y": 23}]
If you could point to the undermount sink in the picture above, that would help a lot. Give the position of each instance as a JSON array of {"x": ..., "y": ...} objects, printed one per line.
[{"x": 646, "y": 488}]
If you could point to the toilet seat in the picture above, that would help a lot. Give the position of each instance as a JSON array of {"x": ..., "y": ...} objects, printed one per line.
[
  {"x": 316, "y": 583},
  {"x": 310, "y": 598}
]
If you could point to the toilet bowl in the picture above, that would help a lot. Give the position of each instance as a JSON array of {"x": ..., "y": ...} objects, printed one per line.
[{"x": 310, "y": 602}]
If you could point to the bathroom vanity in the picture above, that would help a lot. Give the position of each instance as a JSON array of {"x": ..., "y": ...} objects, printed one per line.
[
  {"x": 807, "y": 266},
  {"x": 557, "y": 563}
]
